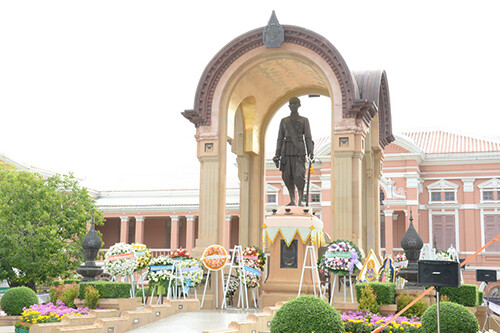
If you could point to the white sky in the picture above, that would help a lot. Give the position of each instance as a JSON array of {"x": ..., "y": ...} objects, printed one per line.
[{"x": 98, "y": 87}]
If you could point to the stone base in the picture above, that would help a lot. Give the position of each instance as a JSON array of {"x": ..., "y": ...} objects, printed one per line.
[{"x": 120, "y": 304}]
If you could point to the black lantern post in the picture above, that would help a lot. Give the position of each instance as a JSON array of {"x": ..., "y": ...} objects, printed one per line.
[
  {"x": 91, "y": 244},
  {"x": 412, "y": 244}
]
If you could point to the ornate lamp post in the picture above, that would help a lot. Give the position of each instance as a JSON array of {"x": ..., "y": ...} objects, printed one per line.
[
  {"x": 91, "y": 244},
  {"x": 412, "y": 244}
]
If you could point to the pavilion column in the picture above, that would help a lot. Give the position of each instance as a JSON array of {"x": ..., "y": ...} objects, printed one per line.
[
  {"x": 190, "y": 233},
  {"x": 124, "y": 228},
  {"x": 139, "y": 229},
  {"x": 174, "y": 233},
  {"x": 389, "y": 233},
  {"x": 227, "y": 232}
]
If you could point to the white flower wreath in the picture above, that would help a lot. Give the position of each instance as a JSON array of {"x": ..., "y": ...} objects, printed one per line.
[
  {"x": 160, "y": 270},
  {"x": 118, "y": 261}
]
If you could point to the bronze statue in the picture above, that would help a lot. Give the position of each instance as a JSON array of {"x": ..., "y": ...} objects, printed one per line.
[{"x": 294, "y": 142}]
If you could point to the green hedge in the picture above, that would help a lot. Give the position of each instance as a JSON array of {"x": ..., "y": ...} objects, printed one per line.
[
  {"x": 386, "y": 291},
  {"x": 454, "y": 318},
  {"x": 466, "y": 294},
  {"x": 480, "y": 297},
  {"x": 107, "y": 289},
  {"x": 56, "y": 283},
  {"x": 15, "y": 299}
]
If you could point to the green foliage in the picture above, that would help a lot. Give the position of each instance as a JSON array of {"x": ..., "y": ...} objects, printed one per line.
[
  {"x": 42, "y": 223},
  {"x": 57, "y": 293},
  {"x": 480, "y": 297},
  {"x": 454, "y": 318},
  {"x": 466, "y": 294},
  {"x": 385, "y": 291},
  {"x": 91, "y": 297},
  {"x": 307, "y": 314},
  {"x": 107, "y": 289},
  {"x": 15, "y": 299},
  {"x": 368, "y": 300},
  {"x": 416, "y": 310},
  {"x": 69, "y": 295}
]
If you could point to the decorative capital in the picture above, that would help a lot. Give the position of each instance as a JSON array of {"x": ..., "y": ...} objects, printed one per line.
[
  {"x": 124, "y": 218},
  {"x": 274, "y": 34}
]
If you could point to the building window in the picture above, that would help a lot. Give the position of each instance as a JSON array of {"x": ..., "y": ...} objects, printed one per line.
[
  {"x": 271, "y": 198},
  {"x": 449, "y": 196},
  {"x": 443, "y": 231},
  {"x": 315, "y": 197},
  {"x": 488, "y": 195},
  {"x": 435, "y": 196},
  {"x": 382, "y": 197},
  {"x": 491, "y": 230}
]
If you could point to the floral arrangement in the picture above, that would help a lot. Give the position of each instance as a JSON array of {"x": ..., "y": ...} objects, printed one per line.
[
  {"x": 342, "y": 257},
  {"x": 232, "y": 286},
  {"x": 256, "y": 254},
  {"x": 143, "y": 255},
  {"x": 120, "y": 260},
  {"x": 322, "y": 269},
  {"x": 192, "y": 272},
  {"x": 179, "y": 253},
  {"x": 443, "y": 255},
  {"x": 251, "y": 273},
  {"x": 48, "y": 313},
  {"x": 215, "y": 257},
  {"x": 400, "y": 262},
  {"x": 366, "y": 322},
  {"x": 160, "y": 270}
]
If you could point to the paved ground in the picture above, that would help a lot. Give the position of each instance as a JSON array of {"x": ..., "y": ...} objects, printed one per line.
[
  {"x": 186, "y": 322},
  {"x": 195, "y": 322}
]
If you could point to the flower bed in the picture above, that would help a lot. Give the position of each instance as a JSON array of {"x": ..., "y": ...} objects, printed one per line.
[
  {"x": 365, "y": 322},
  {"x": 48, "y": 313}
]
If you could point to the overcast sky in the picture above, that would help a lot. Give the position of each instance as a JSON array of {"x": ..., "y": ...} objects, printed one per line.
[{"x": 98, "y": 87}]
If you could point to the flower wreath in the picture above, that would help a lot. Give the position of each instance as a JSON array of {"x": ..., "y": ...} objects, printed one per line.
[
  {"x": 160, "y": 270},
  {"x": 342, "y": 257},
  {"x": 120, "y": 260},
  {"x": 179, "y": 253},
  {"x": 255, "y": 254},
  {"x": 251, "y": 272},
  {"x": 192, "y": 272},
  {"x": 143, "y": 255},
  {"x": 400, "y": 262}
]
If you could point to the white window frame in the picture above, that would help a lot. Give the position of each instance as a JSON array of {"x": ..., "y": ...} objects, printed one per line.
[
  {"x": 443, "y": 186},
  {"x": 457, "y": 231},
  {"x": 483, "y": 238},
  {"x": 492, "y": 185}
]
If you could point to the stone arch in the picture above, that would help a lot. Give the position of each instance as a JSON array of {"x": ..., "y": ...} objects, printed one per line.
[{"x": 228, "y": 99}]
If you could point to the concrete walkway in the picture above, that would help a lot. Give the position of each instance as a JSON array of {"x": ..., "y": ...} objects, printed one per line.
[
  {"x": 195, "y": 322},
  {"x": 7, "y": 329}
]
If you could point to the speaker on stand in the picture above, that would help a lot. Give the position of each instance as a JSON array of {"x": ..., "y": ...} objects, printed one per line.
[
  {"x": 487, "y": 276},
  {"x": 438, "y": 273}
]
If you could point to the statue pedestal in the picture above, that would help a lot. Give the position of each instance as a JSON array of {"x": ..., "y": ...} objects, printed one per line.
[{"x": 288, "y": 234}]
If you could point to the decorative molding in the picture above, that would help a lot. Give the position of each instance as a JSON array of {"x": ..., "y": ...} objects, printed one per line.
[
  {"x": 468, "y": 184},
  {"x": 493, "y": 183},
  {"x": 139, "y": 219},
  {"x": 374, "y": 83},
  {"x": 443, "y": 184},
  {"x": 124, "y": 219}
]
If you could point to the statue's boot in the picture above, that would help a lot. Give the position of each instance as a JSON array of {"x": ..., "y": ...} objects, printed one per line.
[{"x": 291, "y": 191}]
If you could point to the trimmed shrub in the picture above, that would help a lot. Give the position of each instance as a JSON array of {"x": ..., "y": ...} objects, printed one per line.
[
  {"x": 91, "y": 297},
  {"x": 416, "y": 310},
  {"x": 466, "y": 294},
  {"x": 17, "y": 298},
  {"x": 453, "y": 317},
  {"x": 307, "y": 314},
  {"x": 385, "y": 291},
  {"x": 368, "y": 300},
  {"x": 480, "y": 298},
  {"x": 107, "y": 289}
]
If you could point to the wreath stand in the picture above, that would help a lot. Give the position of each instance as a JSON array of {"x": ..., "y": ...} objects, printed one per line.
[
  {"x": 336, "y": 276},
  {"x": 310, "y": 253},
  {"x": 172, "y": 291},
  {"x": 237, "y": 263},
  {"x": 216, "y": 288}
]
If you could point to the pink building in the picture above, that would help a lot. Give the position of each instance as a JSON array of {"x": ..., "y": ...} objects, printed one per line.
[{"x": 450, "y": 183}]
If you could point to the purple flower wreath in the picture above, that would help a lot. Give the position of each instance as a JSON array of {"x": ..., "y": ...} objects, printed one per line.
[{"x": 342, "y": 257}]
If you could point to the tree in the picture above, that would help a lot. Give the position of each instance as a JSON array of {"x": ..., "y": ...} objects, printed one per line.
[{"x": 42, "y": 224}]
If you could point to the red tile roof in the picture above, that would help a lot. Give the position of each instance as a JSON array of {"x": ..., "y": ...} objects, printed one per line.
[{"x": 439, "y": 142}]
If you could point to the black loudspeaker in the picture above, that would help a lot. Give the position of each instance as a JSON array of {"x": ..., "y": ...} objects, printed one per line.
[
  {"x": 438, "y": 273},
  {"x": 486, "y": 275}
]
